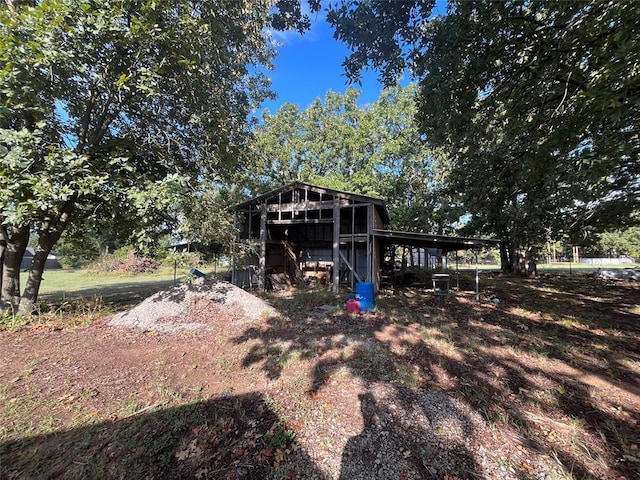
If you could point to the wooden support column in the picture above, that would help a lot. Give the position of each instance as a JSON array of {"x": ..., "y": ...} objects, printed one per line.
[
  {"x": 234, "y": 252},
  {"x": 336, "y": 245},
  {"x": 370, "y": 263},
  {"x": 352, "y": 255},
  {"x": 262, "y": 261}
]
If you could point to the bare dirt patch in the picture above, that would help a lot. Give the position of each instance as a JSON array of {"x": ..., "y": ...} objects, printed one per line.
[{"x": 543, "y": 384}]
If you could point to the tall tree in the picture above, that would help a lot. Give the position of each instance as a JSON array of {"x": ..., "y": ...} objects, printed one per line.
[
  {"x": 117, "y": 106},
  {"x": 375, "y": 149},
  {"x": 620, "y": 242},
  {"x": 536, "y": 103}
]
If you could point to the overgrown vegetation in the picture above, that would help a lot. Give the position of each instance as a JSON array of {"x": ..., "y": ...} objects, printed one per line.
[{"x": 126, "y": 262}]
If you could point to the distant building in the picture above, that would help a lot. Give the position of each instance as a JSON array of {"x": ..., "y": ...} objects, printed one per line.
[{"x": 52, "y": 262}]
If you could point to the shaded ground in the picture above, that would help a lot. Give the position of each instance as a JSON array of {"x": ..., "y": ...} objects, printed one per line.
[{"x": 543, "y": 383}]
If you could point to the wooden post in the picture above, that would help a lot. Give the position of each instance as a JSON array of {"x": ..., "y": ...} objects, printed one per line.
[
  {"x": 477, "y": 278},
  {"x": 336, "y": 245},
  {"x": 234, "y": 254},
  {"x": 457, "y": 275},
  {"x": 352, "y": 257},
  {"x": 262, "y": 261},
  {"x": 370, "y": 263}
]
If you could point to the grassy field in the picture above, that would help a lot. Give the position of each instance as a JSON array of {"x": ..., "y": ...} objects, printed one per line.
[
  {"x": 57, "y": 283},
  {"x": 113, "y": 290},
  {"x": 76, "y": 281},
  {"x": 84, "y": 291}
]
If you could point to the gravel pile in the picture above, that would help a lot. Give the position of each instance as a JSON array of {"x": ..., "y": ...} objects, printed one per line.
[
  {"x": 618, "y": 274},
  {"x": 194, "y": 306}
]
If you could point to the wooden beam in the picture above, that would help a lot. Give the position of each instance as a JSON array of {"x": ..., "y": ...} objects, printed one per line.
[
  {"x": 304, "y": 205},
  {"x": 262, "y": 261},
  {"x": 336, "y": 245},
  {"x": 370, "y": 262},
  {"x": 354, "y": 275},
  {"x": 234, "y": 275},
  {"x": 350, "y": 267},
  {"x": 299, "y": 221},
  {"x": 360, "y": 238}
]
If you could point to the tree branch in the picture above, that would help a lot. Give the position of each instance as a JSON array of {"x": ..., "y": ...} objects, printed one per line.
[{"x": 84, "y": 124}]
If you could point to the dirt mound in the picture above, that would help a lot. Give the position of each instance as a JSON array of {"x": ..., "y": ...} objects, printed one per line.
[{"x": 194, "y": 306}]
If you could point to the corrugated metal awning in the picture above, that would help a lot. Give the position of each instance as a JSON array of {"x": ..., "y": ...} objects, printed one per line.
[{"x": 429, "y": 240}]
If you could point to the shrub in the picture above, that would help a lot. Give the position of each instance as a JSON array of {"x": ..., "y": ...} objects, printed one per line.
[
  {"x": 131, "y": 263},
  {"x": 183, "y": 259}
]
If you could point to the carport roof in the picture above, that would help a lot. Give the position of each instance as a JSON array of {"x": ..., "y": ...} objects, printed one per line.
[{"x": 428, "y": 240}]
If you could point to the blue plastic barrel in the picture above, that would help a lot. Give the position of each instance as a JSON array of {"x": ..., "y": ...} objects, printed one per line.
[{"x": 366, "y": 296}]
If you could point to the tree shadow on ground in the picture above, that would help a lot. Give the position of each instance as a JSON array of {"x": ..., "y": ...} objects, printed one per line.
[
  {"x": 541, "y": 361},
  {"x": 589, "y": 324},
  {"x": 118, "y": 296},
  {"x": 128, "y": 294},
  {"x": 414, "y": 443},
  {"x": 535, "y": 366},
  {"x": 408, "y": 433},
  {"x": 236, "y": 437}
]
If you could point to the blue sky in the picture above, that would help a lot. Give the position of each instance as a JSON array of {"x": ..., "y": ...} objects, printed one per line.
[{"x": 310, "y": 65}]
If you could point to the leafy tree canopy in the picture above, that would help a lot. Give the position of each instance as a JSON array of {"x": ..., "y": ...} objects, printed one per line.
[
  {"x": 536, "y": 103},
  {"x": 373, "y": 150},
  {"x": 116, "y": 108},
  {"x": 626, "y": 242}
]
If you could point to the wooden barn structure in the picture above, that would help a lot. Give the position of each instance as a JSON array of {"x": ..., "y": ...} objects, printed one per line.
[{"x": 306, "y": 233}]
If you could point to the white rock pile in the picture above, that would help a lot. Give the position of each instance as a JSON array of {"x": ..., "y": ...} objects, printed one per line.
[{"x": 169, "y": 310}]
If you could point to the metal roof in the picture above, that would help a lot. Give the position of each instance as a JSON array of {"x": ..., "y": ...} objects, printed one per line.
[{"x": 428, "y": 240}]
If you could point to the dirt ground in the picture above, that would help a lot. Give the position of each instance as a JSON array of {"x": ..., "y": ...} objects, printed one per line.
[{"x": 538, "y": 380}]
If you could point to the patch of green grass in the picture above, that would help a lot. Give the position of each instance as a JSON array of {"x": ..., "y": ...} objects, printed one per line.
[
  {"x": 305, "y": 299},
  {"x": 279, "y": 436},
  {"x": 11, "y": 322},
  {"x": 61, "y": 281},
  {"x": 63, "y": 287},
  {"x": 168, "y": 393},
  {"x": 224, "y": 365},
  {"x": 16, "y": 414},
  {"x": 408, "y": 376},
  {"x": 370, "y": 359},
  {"x": 440, "y": 338}
]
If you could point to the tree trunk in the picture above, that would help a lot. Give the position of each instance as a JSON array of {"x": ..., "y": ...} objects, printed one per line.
[
  {"x": 30, "y": 295},
  {"x": 518, "y": 264},
  {"x": 17, "y": 239},
  {"x": 47, "y": 238},
  {"x": 3, "y": 247},
  {"x": 505, "y": 264}
]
